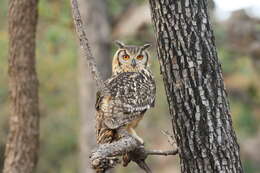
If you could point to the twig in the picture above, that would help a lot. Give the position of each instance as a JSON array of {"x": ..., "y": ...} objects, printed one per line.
[
  {"x": 144, "y": 166},
  {"x": 163, "y": 153},
  {"x": 84, "y": 43},
  {"x": 140, "y": 154},
  {"x": 170, "y": 137}
]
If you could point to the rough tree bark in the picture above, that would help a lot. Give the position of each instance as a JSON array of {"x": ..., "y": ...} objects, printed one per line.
[
  {"x": 23, "y": 139},
  {"x": 194, "y": 86},
  {"x": 94, "y": 16}
]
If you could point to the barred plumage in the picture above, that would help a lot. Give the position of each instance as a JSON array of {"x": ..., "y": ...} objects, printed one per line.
[{"x": 131, "y": 91}]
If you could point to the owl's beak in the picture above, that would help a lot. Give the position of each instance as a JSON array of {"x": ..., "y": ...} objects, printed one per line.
[{"x": 133, "y": 63}]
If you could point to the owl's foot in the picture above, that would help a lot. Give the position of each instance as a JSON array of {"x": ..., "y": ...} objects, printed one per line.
[
  {"x": 126, "y": 160},
  {"x": 139, "y": 139},
  {"x": 103, "y": 164}
]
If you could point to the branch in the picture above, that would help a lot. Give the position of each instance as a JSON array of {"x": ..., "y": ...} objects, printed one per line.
[
  {"x": 84, "y": 43},
  {"x": 104, "y": 157},
  {"x": 163, "y": 153},
  {"x": 170, "y": 138}
]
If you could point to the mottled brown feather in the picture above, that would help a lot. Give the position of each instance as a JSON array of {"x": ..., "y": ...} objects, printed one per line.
[{"x": 131, "y": 91}]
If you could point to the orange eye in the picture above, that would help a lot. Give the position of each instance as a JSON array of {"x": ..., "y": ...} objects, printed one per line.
[
  {"x": 140, "y": 57},
  {"x": 126, "y": 57}
]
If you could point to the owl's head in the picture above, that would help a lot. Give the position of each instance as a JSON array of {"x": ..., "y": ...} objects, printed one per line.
[{"x": 130, "y": 58}]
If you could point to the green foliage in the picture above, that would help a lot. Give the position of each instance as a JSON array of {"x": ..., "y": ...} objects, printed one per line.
[
  {"x": 3, "y": 76},
  {"x": 245, "y": 122},
  {"x": 250, "y": 166},
  {"x": 57, "y": 57},
  {"x": 227, "y": 61},
  {"x": 58, "y": 144},
  {"x": 117, "y": 7}
]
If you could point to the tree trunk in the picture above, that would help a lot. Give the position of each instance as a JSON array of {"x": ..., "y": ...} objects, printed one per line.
[
  {"x": 194, "y": 86},
  {"x": 23, "y": 139},
  {"x": 94, "y": 16}
]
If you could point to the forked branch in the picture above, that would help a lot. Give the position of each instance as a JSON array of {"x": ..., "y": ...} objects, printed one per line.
[{"x": 104, "y": 157}]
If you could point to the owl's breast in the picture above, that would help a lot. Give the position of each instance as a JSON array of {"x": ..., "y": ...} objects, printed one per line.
[
  {"x": 128, "y": 96},
  {"x": 133, "y": 89}
]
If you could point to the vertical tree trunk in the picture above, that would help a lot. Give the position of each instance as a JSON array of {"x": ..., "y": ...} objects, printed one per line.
[
  {"x": 22, "y": 144},
  {"x": 94, "y": 16},
  {"x": 194, "y": 85}
]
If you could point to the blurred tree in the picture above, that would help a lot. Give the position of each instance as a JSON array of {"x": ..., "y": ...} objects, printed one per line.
[
  {"x": 242, "y": 31},
  {"x": 244, "y": 36},
  {"x": 194, "y": 86},
  {"x": 23, "y": 139},
  {"x": 134, "y": 19},
  {"x": 95, "y": 18}
]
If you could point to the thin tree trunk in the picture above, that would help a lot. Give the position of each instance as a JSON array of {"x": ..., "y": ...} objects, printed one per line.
[
  {"x": 23, "y": 139},
  {"x": 94, "y": 15},
  {"x": 194, "y": 86}
]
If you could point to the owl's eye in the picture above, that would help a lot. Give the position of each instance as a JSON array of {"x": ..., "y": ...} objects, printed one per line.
[
  {"x": 140, "y": 57},
  {"x": 126, "y": 57}
]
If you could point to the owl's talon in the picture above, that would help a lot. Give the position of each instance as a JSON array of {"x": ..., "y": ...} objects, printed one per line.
[
  {"x": 134, "y": 134},
  {"x": 141, "y": 141},
  {"x": 126, "y": 160}
]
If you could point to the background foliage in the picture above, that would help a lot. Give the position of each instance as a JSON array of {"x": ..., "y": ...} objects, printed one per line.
[{"x": 57, "y": 71}]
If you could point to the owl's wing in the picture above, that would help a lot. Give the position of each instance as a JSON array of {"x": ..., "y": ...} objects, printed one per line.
[{"x": 131, "y": 94}]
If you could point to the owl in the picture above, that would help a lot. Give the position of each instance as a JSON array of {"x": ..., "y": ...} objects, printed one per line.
[{"x": 130, "y": 92}]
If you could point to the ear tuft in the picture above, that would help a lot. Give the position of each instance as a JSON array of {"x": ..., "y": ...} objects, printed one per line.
[
  {"x": 146, "y": 46},
  {"x": 119, "y": 44}
]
